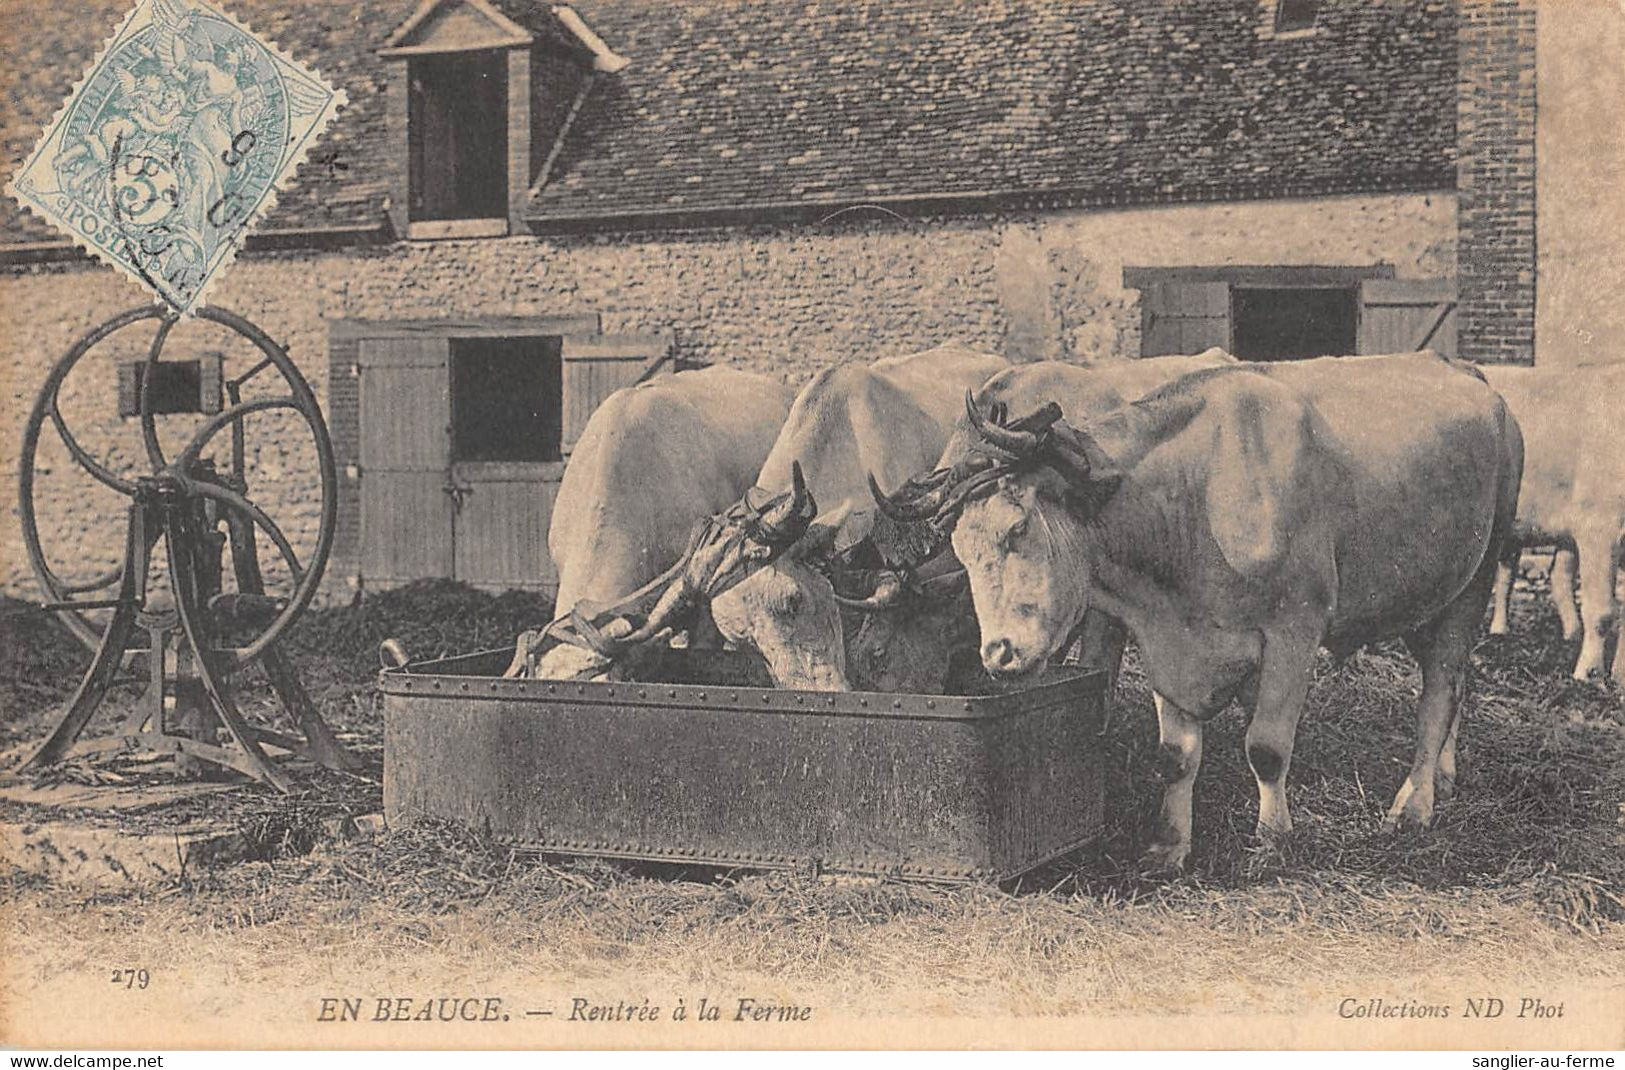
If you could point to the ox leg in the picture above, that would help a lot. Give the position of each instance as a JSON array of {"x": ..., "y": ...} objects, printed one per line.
[
  {"x": 1283, "y": 684},
  {"x": 1181, "y": 756},
  {"x": 1442, "y": 649},
  {"x": 1596, "y": 550},
  {"x": 1502, "y": 597},
  {"x": 1562, "y": 577},
  {"x": 1444, "y": 785}
]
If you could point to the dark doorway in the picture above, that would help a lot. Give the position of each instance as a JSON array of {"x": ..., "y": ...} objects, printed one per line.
[
  {"x": 506, "y": 399},
  {"x": 1293, "y": 323}
]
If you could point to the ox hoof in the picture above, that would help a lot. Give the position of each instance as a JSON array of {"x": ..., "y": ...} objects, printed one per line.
[
  {"x": 1413, "y": 805},
  {"x": 1165, "y": 859},
  {"x": 1408, "y": 818},
  {"x": 1271, "y": 835},
  {"x": 1590, "y": 674}
]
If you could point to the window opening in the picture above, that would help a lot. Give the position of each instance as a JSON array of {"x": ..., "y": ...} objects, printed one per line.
[
  {"x": 506, "y": 399},
  {"x": 1290, "y": 323},
  {"x": 458, "y": 136}
]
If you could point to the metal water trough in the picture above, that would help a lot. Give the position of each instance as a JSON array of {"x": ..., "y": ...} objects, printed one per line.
[{"x": 709, "y": 766}]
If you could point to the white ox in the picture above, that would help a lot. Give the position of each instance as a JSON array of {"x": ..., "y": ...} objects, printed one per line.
[
  {"x": 1573, "y": 494},
  {"x": 1236, "y": 521},
  {"x": 652, "y": 461},
  {"x": 892, "y": 416},
  {"x": 1094, "y": 389}
]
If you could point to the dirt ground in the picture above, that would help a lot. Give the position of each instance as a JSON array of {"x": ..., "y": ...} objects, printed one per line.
[{"x": 1517, "y": 893}]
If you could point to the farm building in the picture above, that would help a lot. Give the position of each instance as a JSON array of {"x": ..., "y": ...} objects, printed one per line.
[{"x": 526, "y": 206}]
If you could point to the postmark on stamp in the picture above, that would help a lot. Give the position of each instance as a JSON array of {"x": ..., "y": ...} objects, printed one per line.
[{"x": 174, "y": 145}]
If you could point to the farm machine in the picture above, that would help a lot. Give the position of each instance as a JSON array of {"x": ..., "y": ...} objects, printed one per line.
[{"x": 188, "y": 622}]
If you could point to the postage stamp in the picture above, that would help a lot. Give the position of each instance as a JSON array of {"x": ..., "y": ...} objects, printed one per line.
[{"x": 174, "y": 144}]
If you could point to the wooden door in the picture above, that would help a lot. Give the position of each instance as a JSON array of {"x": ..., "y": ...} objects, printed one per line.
[
  {"x": 1183, "y": 317},
  {"x": 406, "y": 512},
  {"x": 1404, "y": 315},
  {"x": 503, "y": 510}
]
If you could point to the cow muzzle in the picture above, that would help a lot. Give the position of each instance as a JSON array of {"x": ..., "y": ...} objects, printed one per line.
[{"x": 1000, "y": 657}]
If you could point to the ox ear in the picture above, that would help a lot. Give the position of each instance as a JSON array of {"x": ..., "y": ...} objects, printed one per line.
[
  {"x": 1088, "y": 469},
  {"x": 1255, "y": 468},
  {"x": 1080, "y": 443}
]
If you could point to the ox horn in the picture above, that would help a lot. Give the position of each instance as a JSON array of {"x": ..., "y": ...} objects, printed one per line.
[
  {"x": 673, "y": 601},
  {"x": 618, "y": 636},
  {"x": 1019, "y": 437},
  {"x": 916, "y": 499},
  {"x": 787, "y": 520},
  {"x": 888, "y": 590},
  {"x": 1018, "y": 443}
]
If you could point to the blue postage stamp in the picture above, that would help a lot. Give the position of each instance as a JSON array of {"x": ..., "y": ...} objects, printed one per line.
[{"x": 174, "y": 144}]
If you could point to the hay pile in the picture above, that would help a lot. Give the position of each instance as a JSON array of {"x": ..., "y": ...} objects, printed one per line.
[{"x": 40, "y": 665}]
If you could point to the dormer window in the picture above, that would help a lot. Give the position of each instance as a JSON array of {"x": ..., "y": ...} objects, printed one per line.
[
  {"x": 461, "y": 125},
  {"x": 457, "y": 133},
  {"x": 460, "y": 91}
]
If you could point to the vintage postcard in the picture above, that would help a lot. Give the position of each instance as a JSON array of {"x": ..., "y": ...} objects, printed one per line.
[
  {"x": 646, "y": 525},
  {"x": 173, "y": 146}
]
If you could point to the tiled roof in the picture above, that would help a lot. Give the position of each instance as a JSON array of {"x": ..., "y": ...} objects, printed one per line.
[
  {"x": 729, "y": 103},
  {"x": 732, "y": 105}
]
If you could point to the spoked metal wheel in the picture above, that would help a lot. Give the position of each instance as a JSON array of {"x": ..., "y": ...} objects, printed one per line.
[{"x": 228, "y": 491}]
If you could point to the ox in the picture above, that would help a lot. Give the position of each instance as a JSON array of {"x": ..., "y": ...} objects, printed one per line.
[
  {"x": 893, "y": 416},
  {"x": 1237, "y": 520},
  {"x": 652, "y": 461},
  {"x": 1094, "y": 390},
  {"x": 1573, "y": 493}
]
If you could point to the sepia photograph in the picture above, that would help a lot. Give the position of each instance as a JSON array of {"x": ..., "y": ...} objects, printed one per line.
[{"x": 812, "y": 524}]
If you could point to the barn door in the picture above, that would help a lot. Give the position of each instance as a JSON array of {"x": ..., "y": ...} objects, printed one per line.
[
  {"x": 1183, "y": 317},
  {"x": 406, "y": 512},
  {"x": 506, "y": 422},
  {"x": 502, "y": 514},
  {"x": 1404, "y": 315},
  {"x": 597, "y": 365}
]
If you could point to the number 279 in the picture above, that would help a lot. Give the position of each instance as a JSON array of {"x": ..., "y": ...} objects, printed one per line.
[{"x": 132, "y": 978}]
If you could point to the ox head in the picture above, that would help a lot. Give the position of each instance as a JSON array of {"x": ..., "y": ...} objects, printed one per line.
[
  {"x": 722, "y": 551},
  {"x": 1017, "y": 508},
  {"x": 911, "y": 630},
  {"x": 884, "y": 629}
]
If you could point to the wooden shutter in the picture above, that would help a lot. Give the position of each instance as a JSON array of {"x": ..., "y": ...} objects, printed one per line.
[
  {"x": 406, "y": 513},
  {"x": 1183, "y": 317},
  {"x": 1404, "y": 315},
  {"x": 595, "y": 366}
]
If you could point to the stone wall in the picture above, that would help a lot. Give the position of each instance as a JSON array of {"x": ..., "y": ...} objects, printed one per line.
[{"x": 784, "y": 301}]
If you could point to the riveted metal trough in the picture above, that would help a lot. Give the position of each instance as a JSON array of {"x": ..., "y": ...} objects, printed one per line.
[{"x": 709, "y": 766}]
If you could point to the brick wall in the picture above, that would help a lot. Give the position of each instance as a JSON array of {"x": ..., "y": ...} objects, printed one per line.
[
  {"x": 1496, "y": 179},
  {"x": 784, "y": 301}
]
